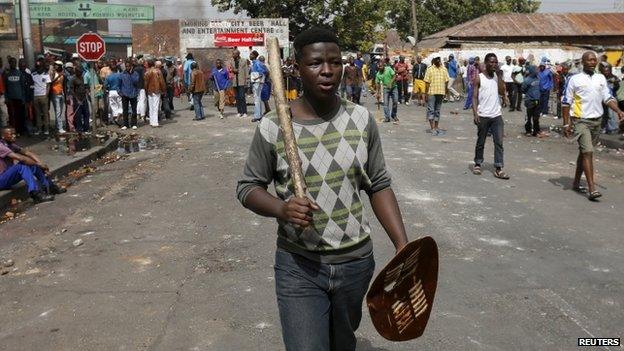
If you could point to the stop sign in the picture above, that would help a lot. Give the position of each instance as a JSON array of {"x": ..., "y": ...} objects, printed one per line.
[{"x": 90, "y": 47}]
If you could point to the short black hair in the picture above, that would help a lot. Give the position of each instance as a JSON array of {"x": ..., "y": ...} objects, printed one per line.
[
  {"x": 189, "y": 56},
  {"x": 487, "y": 57},
  {"x": 312, "y": 36}
]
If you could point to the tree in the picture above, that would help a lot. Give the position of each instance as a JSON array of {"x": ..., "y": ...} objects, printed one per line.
[
  {"x": 360, "y": 23},
  {"x": 437, "y": 15},
  {"x": 354, "y": 21}
]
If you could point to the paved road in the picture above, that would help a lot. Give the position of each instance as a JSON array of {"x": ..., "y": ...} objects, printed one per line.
[{"x": 171, "y": 261}]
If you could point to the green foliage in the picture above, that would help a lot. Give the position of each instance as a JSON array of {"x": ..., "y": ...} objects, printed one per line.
[{"x": 361, "y": 23}]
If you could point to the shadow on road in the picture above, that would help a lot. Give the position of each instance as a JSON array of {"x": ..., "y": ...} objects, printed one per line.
[{"x": 365, "y": 345}]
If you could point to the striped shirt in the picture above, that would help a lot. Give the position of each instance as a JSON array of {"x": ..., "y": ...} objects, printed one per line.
[{"x": 437, "y": 78}]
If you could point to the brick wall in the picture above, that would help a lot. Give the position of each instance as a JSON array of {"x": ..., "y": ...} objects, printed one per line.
[{"x": 160, "y": 38}]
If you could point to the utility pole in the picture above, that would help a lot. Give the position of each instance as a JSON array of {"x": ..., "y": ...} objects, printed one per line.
[
  {"x": 27, "y": 43},
  {"x": 415, "y": 26}
]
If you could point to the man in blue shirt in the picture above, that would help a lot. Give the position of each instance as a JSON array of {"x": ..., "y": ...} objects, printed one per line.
[
  {"x": 452, "y": 72},
  {"x": 532, "y": 94},
  {"x": 546, "y": 84},
  {"x": 221, "y": 80},
  {"x": 187, "y": 77},
  {"x": 257, "y": 76},
  {"x": 129, "y": 92},
  {"x": 113, "y": 86}
]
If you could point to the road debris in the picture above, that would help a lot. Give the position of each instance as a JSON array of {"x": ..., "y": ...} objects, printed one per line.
[{"x": 77, "y": 242}]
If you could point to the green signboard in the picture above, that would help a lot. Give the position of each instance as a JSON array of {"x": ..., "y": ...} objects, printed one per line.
[{"x": 90, "y": 10}]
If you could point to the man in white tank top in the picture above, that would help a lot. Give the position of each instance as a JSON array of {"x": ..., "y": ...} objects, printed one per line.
[{"x": 489, "y": 88}]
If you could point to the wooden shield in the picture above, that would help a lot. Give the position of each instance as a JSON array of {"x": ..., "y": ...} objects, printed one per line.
[{"x": 401, "y": 297}]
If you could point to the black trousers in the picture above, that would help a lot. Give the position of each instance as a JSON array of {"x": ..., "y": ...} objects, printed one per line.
[
  {"x": 403, "y": 87},
  {"x": 496, "y": 127},
  {"x": 510, "y": 87},
  {"x": 532, "y": 117},
  {"x": 517, "y": 97},
  {"x": 125, "y": 101}
]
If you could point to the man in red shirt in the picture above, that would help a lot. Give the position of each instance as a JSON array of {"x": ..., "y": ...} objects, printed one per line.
[{"x": 402, "y": 78}]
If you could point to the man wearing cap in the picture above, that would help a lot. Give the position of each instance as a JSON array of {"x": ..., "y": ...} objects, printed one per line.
[
  {"x": 436, "y": 88},
  {"x": 583, "y": 97}
]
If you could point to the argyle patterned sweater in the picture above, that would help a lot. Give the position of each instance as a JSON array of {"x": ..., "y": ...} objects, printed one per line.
[{"x": 340, "y": 157}]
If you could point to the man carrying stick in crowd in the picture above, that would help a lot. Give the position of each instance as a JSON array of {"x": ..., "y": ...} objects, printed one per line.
[{"x": 324, "y": 260}]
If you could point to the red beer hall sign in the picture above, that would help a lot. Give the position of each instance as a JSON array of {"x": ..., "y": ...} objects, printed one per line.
[{"x": 239, "y": 39}]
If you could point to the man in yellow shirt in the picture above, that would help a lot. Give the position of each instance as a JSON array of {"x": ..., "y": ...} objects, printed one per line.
[{"x": 436, "y": 88}]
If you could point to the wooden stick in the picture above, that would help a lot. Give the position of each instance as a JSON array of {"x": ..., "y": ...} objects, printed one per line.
[{"x": 283, "y": 113}]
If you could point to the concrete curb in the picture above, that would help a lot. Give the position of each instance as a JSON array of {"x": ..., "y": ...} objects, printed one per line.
[{"x": 19, "y": 191}]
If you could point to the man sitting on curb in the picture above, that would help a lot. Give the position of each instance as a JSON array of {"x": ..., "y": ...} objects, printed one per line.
[{"x": 18, "y": 164}]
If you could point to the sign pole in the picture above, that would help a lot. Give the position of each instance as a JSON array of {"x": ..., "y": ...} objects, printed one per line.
[{"x": 27, "y": 44}]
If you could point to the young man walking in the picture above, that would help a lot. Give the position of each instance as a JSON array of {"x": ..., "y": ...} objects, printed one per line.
[
  {"x": 197, "y": 87},
  {"x": 324, "y": 259},
  {"x": 220, "y": 79},
  {"x": 489, "y": 88},
  {"x": 436, "y": 88},
  {"x": 453, "y": 69},
  {"x": 583, "y": 97},
  {"x": 129, "y": 92},
  {"x": 386, "y": 79}
]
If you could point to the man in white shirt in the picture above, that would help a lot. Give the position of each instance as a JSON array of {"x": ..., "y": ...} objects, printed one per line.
[
  {"x": 582, "y": 99},
  {"x": 507, "y": 70},
  {"x": 42, "y": 81},
  {"x": 487, "y": 113}
]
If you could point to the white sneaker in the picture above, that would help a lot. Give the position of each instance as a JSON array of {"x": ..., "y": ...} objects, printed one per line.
[
  {"x": 239, "y": 115},
  {"x": 221, "y": 115},
  {"x": 46, "y": 133},
  {"x": 134, "y": 127},
  {"x": 407, "y": 103},
  {"x": 244, "y": 115},
  {"x": 61, "y": 131},
  {"x": 124, "y": 128}
]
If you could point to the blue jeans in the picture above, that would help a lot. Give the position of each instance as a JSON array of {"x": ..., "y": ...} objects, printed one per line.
[
  {"x": 57, "y": 102},
  {"x": 434, "y": 104},
  {"x": 320, "y": 305},
  {"x": 544, "y": 97},
  {"x": 468, "y": 103},
  {"x": 494, "y": 125},
  {"x": 392, "y": 93},
  {"x": 241, "y": 101},
  {"x": 257, "y": 93},
  {"x": 197, "y": 105},
  {"x": 29, "y": 174}
]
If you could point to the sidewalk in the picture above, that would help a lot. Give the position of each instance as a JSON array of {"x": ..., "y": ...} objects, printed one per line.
[{"x": 62, "y": 157}]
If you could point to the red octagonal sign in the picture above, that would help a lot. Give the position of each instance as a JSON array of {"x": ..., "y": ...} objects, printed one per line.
[{"x": 90, "y": 47}]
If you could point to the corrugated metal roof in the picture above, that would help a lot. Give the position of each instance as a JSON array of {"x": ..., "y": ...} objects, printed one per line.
[{"x": 537, "y": 25}]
